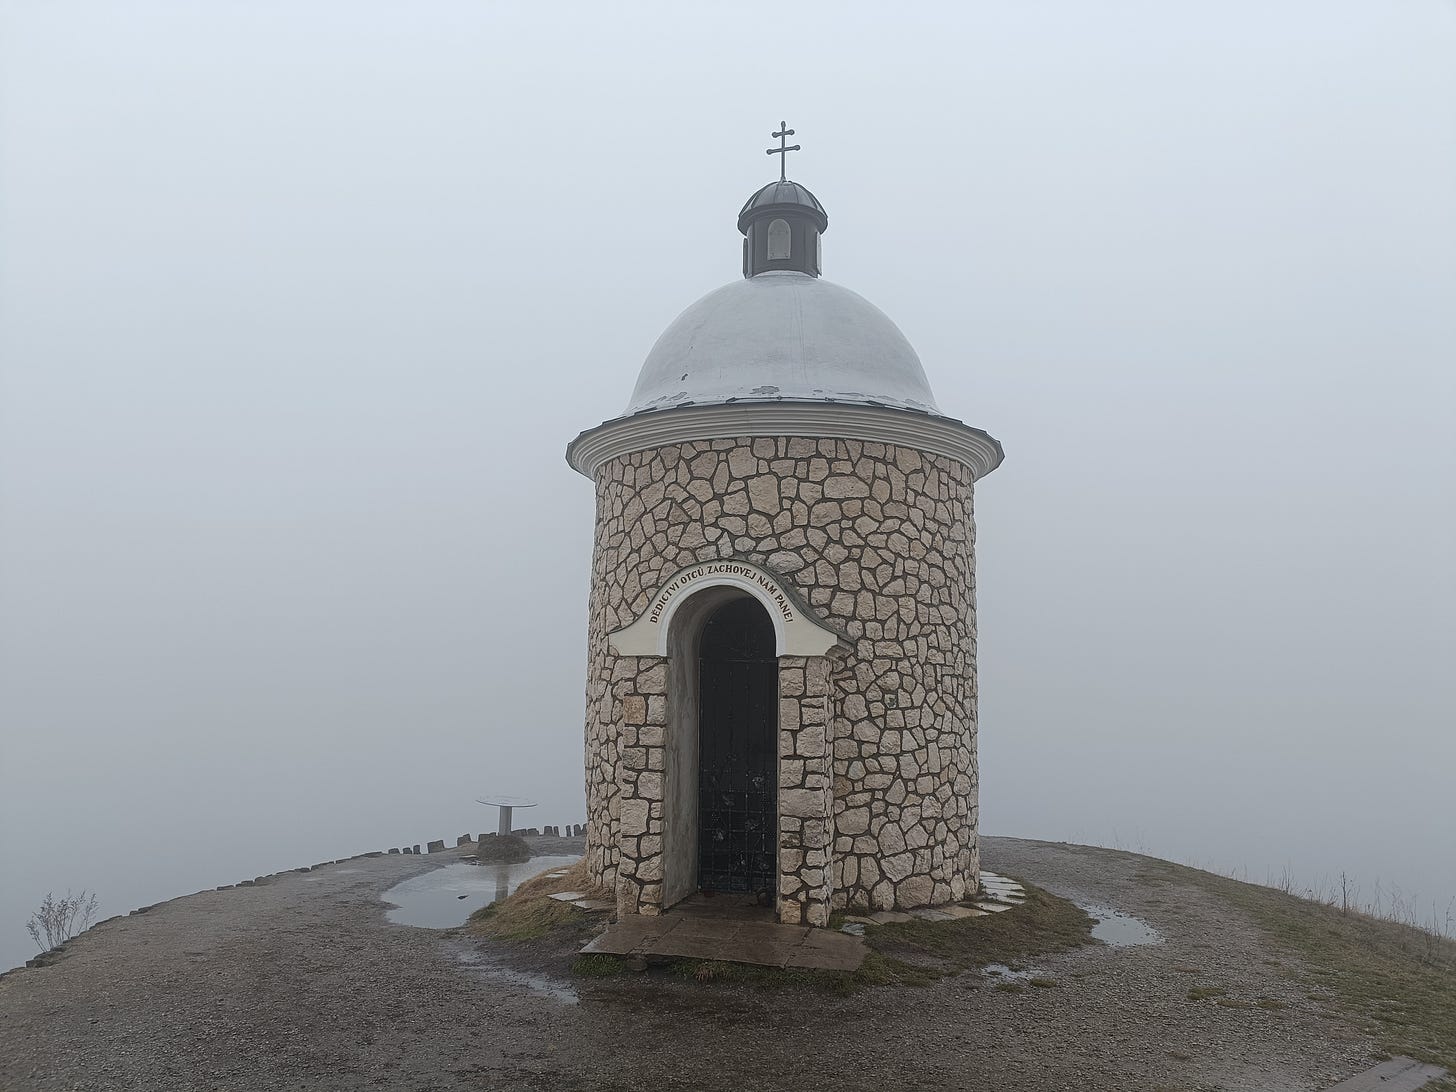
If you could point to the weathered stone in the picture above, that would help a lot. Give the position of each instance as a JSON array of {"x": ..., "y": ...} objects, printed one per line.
[
  {"x": 763, "y": 493},
  {"x": 877, "y": 540},
  {"x": 839, "y": 488},
  {"x": 915, "y": 891},
  {"x": 633, "y": 821}
]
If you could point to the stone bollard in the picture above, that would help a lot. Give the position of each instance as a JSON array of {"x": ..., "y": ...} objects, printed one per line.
[
  {"x": 437, "y": 845},
  {"x": 395, "y": 850},
  {"x": 463, "y": 840},
  {"x": 417, "y": 847}
]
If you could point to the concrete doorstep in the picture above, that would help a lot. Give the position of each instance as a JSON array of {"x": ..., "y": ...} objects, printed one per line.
[
  {"x": 762, "y": 943},
  {"x": 1396, "y": 1075}
]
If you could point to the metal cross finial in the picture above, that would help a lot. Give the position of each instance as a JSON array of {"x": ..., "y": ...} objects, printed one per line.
[{"x": 781, "y": 150}]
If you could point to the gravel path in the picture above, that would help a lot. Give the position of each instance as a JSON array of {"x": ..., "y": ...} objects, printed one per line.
[{"x": 301, "y": 983}]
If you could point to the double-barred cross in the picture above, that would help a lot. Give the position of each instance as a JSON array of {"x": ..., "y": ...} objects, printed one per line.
[{"x": 783, "y": 133}]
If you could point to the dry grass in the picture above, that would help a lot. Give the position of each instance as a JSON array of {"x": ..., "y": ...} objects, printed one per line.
[
  {"x": 530, "y": 913},
  {"x": 1396, "y": 981}
]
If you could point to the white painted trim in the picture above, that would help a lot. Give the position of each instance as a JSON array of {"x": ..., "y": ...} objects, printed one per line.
[
  {"x": 946, "y": 436},
  {"x": 795, "y": 632}
]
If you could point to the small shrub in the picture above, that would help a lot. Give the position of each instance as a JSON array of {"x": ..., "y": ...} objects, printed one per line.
[{"x": 58, "y": 920}]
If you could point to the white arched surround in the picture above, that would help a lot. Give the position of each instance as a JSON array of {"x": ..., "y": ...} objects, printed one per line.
[
  {"x": 659, "y": 768},
  {"x": 796, "y": 632}
]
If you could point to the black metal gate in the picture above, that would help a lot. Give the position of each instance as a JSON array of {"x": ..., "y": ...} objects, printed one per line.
[{"x": 738, "y": 698}]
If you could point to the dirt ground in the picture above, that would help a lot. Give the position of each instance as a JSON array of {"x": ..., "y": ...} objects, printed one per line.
[{"x": 301, "y": 983}]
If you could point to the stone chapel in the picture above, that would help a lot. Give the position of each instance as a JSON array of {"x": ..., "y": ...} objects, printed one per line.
[{"x": 781, "y": 684}]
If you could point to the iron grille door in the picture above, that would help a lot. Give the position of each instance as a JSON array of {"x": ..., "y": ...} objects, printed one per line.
[{"x": 738, "y": 692}]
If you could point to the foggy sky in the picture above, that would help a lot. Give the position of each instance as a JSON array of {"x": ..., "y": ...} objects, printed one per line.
[{"x": 300, "y": 304}]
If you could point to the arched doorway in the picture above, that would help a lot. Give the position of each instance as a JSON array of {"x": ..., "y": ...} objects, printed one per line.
[{"x": 738, "y": 696}]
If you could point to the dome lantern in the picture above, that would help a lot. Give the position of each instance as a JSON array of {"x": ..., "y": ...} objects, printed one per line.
[{"x": 782, "y": 223}]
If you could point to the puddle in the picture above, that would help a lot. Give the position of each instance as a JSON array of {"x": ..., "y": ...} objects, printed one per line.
[
  {"x": 445, "y": 897},
  {"x": 1002, "y": 973},
  {"x": 1121, "y": 930},
  {"x": 535, "y": 983}
]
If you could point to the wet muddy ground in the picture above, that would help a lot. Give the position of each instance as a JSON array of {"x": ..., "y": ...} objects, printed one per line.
[
  {"x": 303, "y": 982},
  {"x": 446, "y": 897}
]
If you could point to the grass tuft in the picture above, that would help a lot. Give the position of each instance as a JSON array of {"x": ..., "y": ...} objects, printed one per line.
[
  {"x": 1205, "y": 993},
  {"x": 598, "y": 966}
]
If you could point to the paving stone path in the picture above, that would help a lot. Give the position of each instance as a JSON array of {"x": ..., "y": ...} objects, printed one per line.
[{"x": 301, "y": 982}]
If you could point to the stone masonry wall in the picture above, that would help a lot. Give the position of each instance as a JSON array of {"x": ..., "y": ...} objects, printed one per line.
[{"x": 879, "y": 541}]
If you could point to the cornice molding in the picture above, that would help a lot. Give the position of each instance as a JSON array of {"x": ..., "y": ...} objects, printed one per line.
[{"x": 980, "y": 452}]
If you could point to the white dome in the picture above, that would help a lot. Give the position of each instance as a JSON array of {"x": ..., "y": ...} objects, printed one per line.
[{"x": 782, "y": 336}]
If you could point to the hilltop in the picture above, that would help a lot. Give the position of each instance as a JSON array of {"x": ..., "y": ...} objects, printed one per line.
[{"x": 300, "y": 981}]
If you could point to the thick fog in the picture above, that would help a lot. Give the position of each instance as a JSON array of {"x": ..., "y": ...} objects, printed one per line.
[{"x": 301, "y": 303}]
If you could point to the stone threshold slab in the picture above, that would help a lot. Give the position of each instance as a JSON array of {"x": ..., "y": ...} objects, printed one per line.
[
  {"x": 1396, "y": 1075},
  {"x": 760, "y": 943}
]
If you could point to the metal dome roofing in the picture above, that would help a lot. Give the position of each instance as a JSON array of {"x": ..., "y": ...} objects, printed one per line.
[
  {"x": 783, "y": 352},
  {"x": 782, "y": 336},
  {"x": 779, "y": 194}
]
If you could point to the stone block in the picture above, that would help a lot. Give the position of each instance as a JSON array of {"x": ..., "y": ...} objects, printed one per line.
[
  {"x": 763, "y": 493},
  {"x": 742, "y": 463},
  {"x": 634, "y": 817},
  {"x": 803, "y": 803},
  {"x": 788, "y": 714},
  {"x": 897, "y": 867},
  {"x": 840, "y": 487},
  {"x": 810, "y": 741},
  {"x": 914, "y": 891}
]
